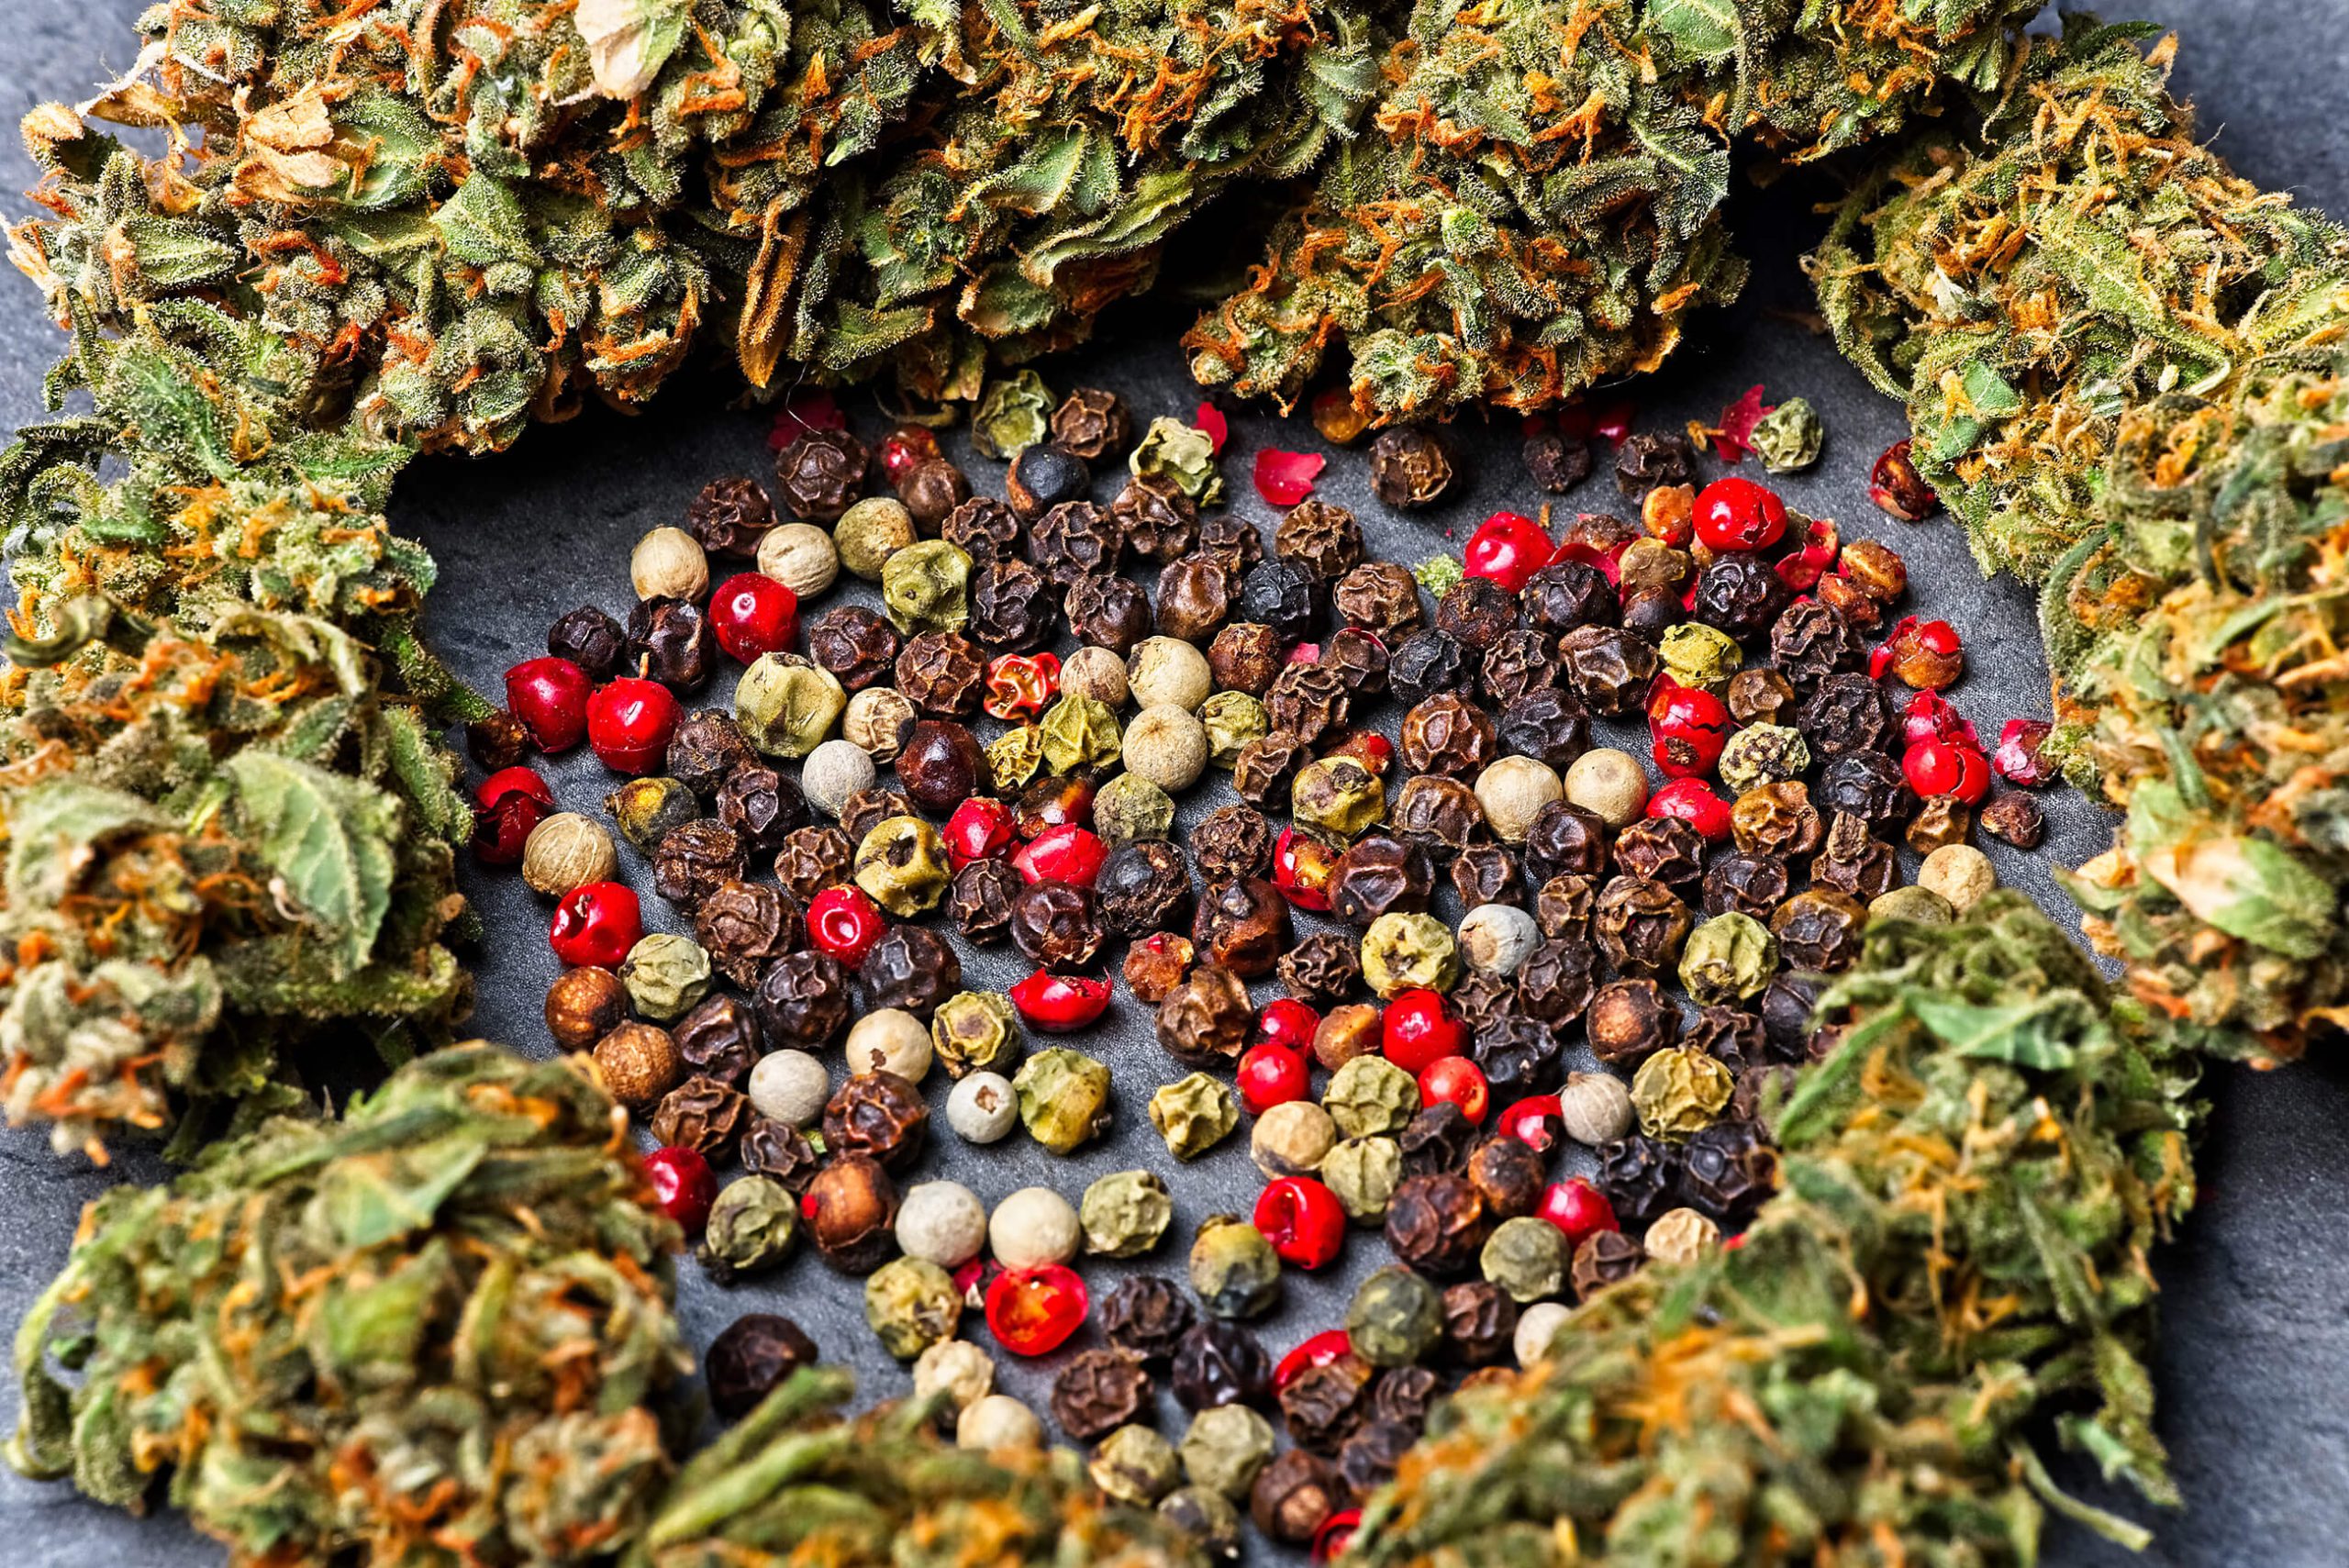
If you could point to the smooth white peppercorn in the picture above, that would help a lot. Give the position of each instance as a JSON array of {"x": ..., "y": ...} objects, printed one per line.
[
  {"x": 1033, "y": 1227},
  {"x": 1595, "y": 1107},
  {"x": 668, "y": 563},
  {"x": 1167, "y": 746},
  {"x": 997, "y": 1421},
  {"x": 833, "y": 772},
  {"x": 984, "y": 1109},
  {"x": 1536, "y": 1325},
  {"x": 890, "y": 1039},
  {"x": 1959, "y": 872},
  {"x": 801, "y": 557},
  {"x": 567, "y": 850},
  {"x": 1495, "y": 938},
  {"x": 1513, "y": 791},
  {"x": 1168, "y": 670},
  {"x": 942, "y": 1223},
  {"x": 1292, "y": 1139},
  {"x": 1681, "y": 1236},
  {"x": 1096, "y": 673},
  {"x": 1608, "y": 784},
  {"x": 876, "y": 722},
  {"x": 789, "y": 1086},
  {"x": 956, "y": 1368}
]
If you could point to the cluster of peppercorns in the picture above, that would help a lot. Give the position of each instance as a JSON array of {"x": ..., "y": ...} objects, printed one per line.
[{"x": 1446, "y": 1092}]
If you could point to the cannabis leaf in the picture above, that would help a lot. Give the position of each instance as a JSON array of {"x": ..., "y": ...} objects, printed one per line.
[{"x": 329, "y": 838}]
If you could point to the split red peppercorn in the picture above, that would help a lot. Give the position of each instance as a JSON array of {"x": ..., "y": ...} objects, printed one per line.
[
  {"x": 1698, "y": 804},
  {"x": 596, "y": 925},
  {"x": 1577, "y": 1209},
  {"x": 1734, "y": 513},
  {"x": 2019, "y": 759},
  {"x": 683, "y": 1185},
  {"x": 1021, "y": 685},
  {"x": 1800, "y": 569},
  {"x": 513, "y": 781},
  {"x": 752, "y": 613},
  {"x": 1302, "y": 867},
  {"x": 1930, "y": 716},
  {"x": 1067, "y": 853},
  {"x": 1271, "y": 1075},
  {"x": 1455, "y": 1079},
  {"x": 1058, "y": 1003},
  {"x": 1337, "y": 1533},
  {"x": 1287, "y": 1022},
  {"x": 1303, "y": 1220},
  {"x": 1690, "y": 726},
  {"x": 550, "y": 697},
  {"x": 1508, "y": 547},
  {"x": 981, "y": 830},
  {"x": 508, "y": 804},
  {"x": 1032, "y": 1312},
  {"x": 1538, "y": 1121},
  {"x": 630, "y": 724},
  {"x": 903, "y": 449},
  {"x": 1419, "y": 1028},
  {"x": 1321, "y": 1349},
  {"x": 1284, "y": 479},
  {"x": 845, "y": 923},
  {"x": 1945, "y": 767}
]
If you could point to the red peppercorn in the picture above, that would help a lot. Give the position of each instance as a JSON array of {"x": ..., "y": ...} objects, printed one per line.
[
  {"x": 1695, "y": 802},
  {"x": 1303, "y": 1220},
  {"x": 1457, "y": 1081},
  {"x": 1930, "y": 716},
  {"x": 752, "y": 613},
  {"x": 550, "y": 697},
  {"x": 1898, "y": 489},
  {"x": 1800, "y": 569},
  {"x": 1067, "y": 853},
  {"x": 1734, "y": 513},
  {"x": 1021, "y": 685},
  {"x": 1417, "y": 1029},
  {"x": 683, "y": 1185},
  {"x": 1337, "y": 1533},
  {"x": 513, "y": 781},
  {"x": 1538, "y": 1121},
  {"x": 594, "y": 925},
  {"x": 1690, "y": 726},
  {"x": 501, "y": 830},
  {"x": 1321, "y": 1349},
  {"x": 1368, "y": 747},
  {"x": 903, "y": 449},
  {"x": 845, "y": 923},
  {"x": 629, "y": 722},
  {"x": 1947, "y": 767},
  {"x": 980, "y": 829},
  {"x": 1032, "y": 1312},
  {"x": 1287, "y": 1022},
  {"x": 2019, "y": 759},
  {"x": 1302, "y": 867},
  {"x": 1508, "y": 547},
  {"x": 1577, "y": 1209},
  {"x": 1058, "y": 1003},
  {"x": 1271, "y": 1075}
]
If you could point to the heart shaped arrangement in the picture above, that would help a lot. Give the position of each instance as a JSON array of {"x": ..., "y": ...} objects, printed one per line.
[{"x": 439, "y": 1327}]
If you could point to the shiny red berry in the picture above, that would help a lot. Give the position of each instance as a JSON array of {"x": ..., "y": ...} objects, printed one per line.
[
  {"x": 845, "y": 923},
  {"x": 550, "y": 697},
  {"x": 1417, "y": 1029},
  {"x": 1058, "y": 1003},
  {"x": 1271, "y": 1075},
  {"x": 503, "y": 827},
  {"x": 1577, "y": 1209},
  {"x": 1455, "y": 1079},
  {"x": 1302, "y": 867},
  {"x": 629, "y": 722},
  {"x": 596, "y": 925},
  {"x": 683, "y": 1185},
  {"x": 752, "y": 613},
  {"x": 1285, "y": 1021},
  {"x": 1321, "y": 1349},
  {"x": 513, "y": 781},
  {"x": 1032, "y": 1312},
  {"x": 1930, "y": 717},
  {"x": 1690, "y": 726},
  {"x": 1021, "y": 685},
  {"x": 1538, "y": 1121},
  {"x": 1698, "y": 804},
  {"x": 1508, "y": 547},
  {"x": 1067, "y": 853},
  {"x": 1946, "y": 767},
  {"x": 1335, "y": 1534},
  {"x": 1303, "y": 1220},
  {"x": 2021, "y": 757},
  {"x": 980, "y": 829},
  {"x": 1736, "y": 514}
]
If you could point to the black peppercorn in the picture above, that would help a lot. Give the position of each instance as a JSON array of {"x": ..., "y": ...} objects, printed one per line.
[
  {"x": 1294, "y": 1496},
  {"x": 877, "y": 1114},
  {"x": 695, "y": 859},
  {"x": 1146, "y": 1317},
  {"x": 1014, "y": 608},
  {"x": 1629, "y": 1021},
  {"x": 1727, "y": 1169},
  {"x": 819, "y": 475},
  {"x": 1232, "y": 841},
  {"x": 1282, "y": 596},
  {"x": 933, "y": 491},
  {"x": 1233, "y": 540},
  {"x": 1746, "y": 884},
  {"x": 943, "y": 765},
  {"x": 744, "y": 926},
  {"x": 1644, "y": 462},
  {"x": 1426, "y": 662},
  {"x": 1380, "y": 598},
  {"x": 1267, "y": 768},
  {"x": 1092, "y": 423},
  {"x": 1321, "y": 537},
  {"x": 771, "y": 1148},
  {"x": 1486, "y": 874},
  {"x": 1143, "y": 886},
  {"x": 1409, "y": 465},
  {"x": 1740, "y": 594},
  {"x": 1519, "y": 1055},
  {"x": 720, "y": 1038},
  {"x": 1368, "y": 1459},
  {"x": 591, "y": 639},
  {"x": 1850, "y": 861},
  {"x": 868, "y": 808},
  {"x": 911, "y": 968},
  {"x": 1481, "y": 997},
  {"x": 1789, "y": 1008},
  {"x": 1378, "y": 875},
  {"x": 1547, "y": 724},
  {"x": 1522, "y": 660},
  {"x": 1819, "y": 928},
  {"x": 1609, "y": 669},
  {"x": 1847, "y": 713},
  {"x": 1158, "y": 521},
  {"x": 1241, "y": 925},
  {"x": 1323, "y": 1402},
  {"x": 1567, "y": 839},
  {"x": 1730, "y": 1036},
  {"x": 1436, "y": 1223},
  {"x": 1323, "y": 968},
  {"x": 1075, "y": 539},
  {"x": 941, "y": 673},
  {"x": 1638, "y": 1175},
  {"x": 671, "y": 642},
  {"x": 1605, "y": 1258},
  {"x": 1554, "y": 461},
  {"x": 814, "y": 859},
  {"x": 1106, "y": 611},
  {"x": 707, "y": 749},
  {"x": 1638, "y": 925},
  {"x": 1557, "y": 980},
  {"x": 981, "y": 527},
  {"x": 1053, "y": 924},
  {"x": 1043, "y": 476},
  {"x": 1307, "y": 702},
  {"x": 1193, "y": 599},
  {"x": 1446, "y": 733},
  {"x": 1509, "y": 1174},
  {"x": 1476, "y": 613},
  {"x": 980, "y": 900},
  {"x": 1404, "y": 1394},
  {"x": 762, "y": 806},
  {"x": 1360, "y": 660},
  {"x": 1441, "y": 815},
  {"x": 729, "y": 517},
  {"x": 803, "y": 1000},
  {"x": 1480, "y": 1322},
  {"x": 1651, "y": 612},
  {"x": 1436, "y": 1140},
  {"x": 1567, "y": 596},
  {"x": 1219, "y": 1363},
  {"x": 1810, "y": 643},
  {"x": 749, "y": 1359},
  {"x": 1664, "y": 849}
]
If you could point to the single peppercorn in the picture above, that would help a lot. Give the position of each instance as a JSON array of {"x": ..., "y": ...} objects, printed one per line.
[
  {"x": 695, "y": 859},
  {"x": 1096, "y": 1391},
  {"x": 1409, "y": 465},
  {"x": 751, "y": 1358},
  {"x": 1630, "y": 1020},
  {"x": 1242, "y": 925},
  {"x": 1605, "y": 1258},
  {"x": 1437, "y": 1140},
  {"x": 1435, "y": 1223},
  {"x": 584, "y": 1005},
  {"x": 820, "y": 473},
  {"x": 671, "y": 642},
  {"x": 1044, "y": 476},
  {"x": 1218, "y": 1363},
  {"x": 1638, "y": 1175},
  {"x": 1324, "y": 1401}
]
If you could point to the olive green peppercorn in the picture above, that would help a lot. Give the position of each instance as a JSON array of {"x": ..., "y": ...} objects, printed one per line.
[
  {"x": 1405, "y": 953},
  {"x": 1370, "y": 1095},
  {"x": 751, "y": 1226},
  {"x": 1698, "y": 655},
  {"x": 1234, "y": 1271},
  {"x": 787, "y": 709},
  {"x": 1291, "y": 1139},
  {"x": 1129, "y": 807},
  {"x": 927, "y": 587},
  {"x": 1080, "y": 732},
  {"x": 1396, "y": 1316},
  {"x": 974, "y": 1031},
  {"x": 1231, "y": 720},
  {"x": 1014, "y": 411},
  {"x": 1338, "y": 795},
  {"x": 1135, "y": 1466},
  {"x": 1761, "y": 754},
  {"x": 1362, "y": 1174},
  {"x": 870, "y": 532},
  {"x": 1788, "y": 436},
  {"x": 665, "y": 975},
  {"x": 911, "y": 1304},
  {"x": 1014, "y": 757},
  {"x": 902, "y": 865},
  {"x": 1225, "y": 1447},
  {"x": 1183, "y": 453},
  {"x": 1679, "y": 1091},
  {"x": 1527, "y": 1257},
  {"x": 646, "y": 810},
  {"x": 1919, "y": 905},
  {"x": 1729, "y": 957},
  {"x": 1192, "y": 1115},
  {"x": 1063, "y": 1099},
  {"x": 1125, "y": 1214}
]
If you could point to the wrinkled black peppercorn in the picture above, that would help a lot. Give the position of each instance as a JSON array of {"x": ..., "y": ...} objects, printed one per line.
[
  {"x": 910, "y": 968},
  {"x": 1146, "y": 1317},
  {"x": 591, "y": 639},
  {"x": 1219, "y": 1363},
  {"x": 749, "y": 1359}
]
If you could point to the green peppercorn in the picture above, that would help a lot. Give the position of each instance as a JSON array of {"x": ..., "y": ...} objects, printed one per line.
[
  {"x": 974, "y": 1031},
  {"x": 1396, "y": 1316},
  {"x": 1234, "y": 1271},
  {"x": 665, "y": 975},
  {"x": 1338, "y": 795},
  {"x": 1014, "y": 756},
  {"x": 1527, "y": 1257},
  {"x": 1081, "y": 732},
  {"x": 787, "y": 709},
  {"x": 911, "y": 1304},
  {"x": 1362, "y": 1174},
  {"x": 1407, "y": 952},
  {"x": 1135, "y": 1466},
  {"x": 1225, "y": 1447},
  {"x": 1921, "y": 905},
  {"x": 1209, "y": 1521},
  {"x": 1680, "y": 1091},
  {"x": 1232, "y": 719},
  {"x": 1013, "y": 413},
  {"x": 1192, "y": 1115},
  {"x": 1063, "y": 1099},
  {"x": 1125, "y": 1213},
  {"x": 1129, "y": 807},
  {"x": 902, "y": 864},
  {"x": 1183, "y": 453},
  {"x": 1788, "y": 436},
  {"x": 1729, "y": 957},
  {"x": 751, "y": 1226},
  {"x": 927, "y": 587},
  {"x": 870, "y": 532},
  {"x": 1438, "y": 574},
  {"x": 644, "y": 810},
  {"x": 1370, "y": 1095},
  {"x": 1763, "y": 754},
  {"x": 1697, "y": 655}
]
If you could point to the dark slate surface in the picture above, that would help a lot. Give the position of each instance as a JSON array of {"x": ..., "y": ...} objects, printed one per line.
[{"x": 2255, "y": 1351}]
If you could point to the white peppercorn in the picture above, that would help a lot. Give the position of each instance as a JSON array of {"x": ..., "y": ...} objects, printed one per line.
[
  {"x": 668, "y": 563},
  {"x": 567, "y": 850},
  {"x": 1291, "y": 1139},
  {"x": 1514, "y": 790},
  {"x": 956, "y": 1368},
  {"x": 1167, "y": 746},
  {"x": 834, "y": 772},
  {"x": 801, "y": 557},
  {"x": 997, "y": 1421},
  {"x": 1681, "y": 1236},
  {"x": 984, "y": 1109},
  {"x": 1497, "y": 938},
  {"x": 1536, "y": 1325},
  {"x": 876, "y": 722},
  {"x": 1095, "y": 672},
  {"x": 1033, "y": 1227},
  {"x": 1596, "y": 1107},
  {"x": 870, "y": 532},
  {"x": 890, "y": 1039},
  {"x": 1959, "y": 872},
  {"x": 941, "y": 1222},
  {"x": 790, "y": 1087},
  {"x": 1608, "y": 784},
  {"x": 1168, "y": 670}
]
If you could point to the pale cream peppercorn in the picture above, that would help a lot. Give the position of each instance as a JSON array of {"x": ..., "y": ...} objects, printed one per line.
[
  {"x": 1681, "y": 1236},
  {"x": 1608, "y": 784},
  {"x": 876, "y": 722},
  {"x": 956, "y": 1368},
  {"x": 1513, "y": 791},
  {"x": 801, "y": 557},
  {"x": 790, "y": 1087},
  {"x": 668, "y": 563},
  {"x": 1498, "y": 938},
  {"x": 942, "y": 1223},
  {"x": 1168, "y": 670},
  {"x": 1595, "y": 1107},
  {"x": 1033, "y": 1227},
  {"x": 833, "y": 772},
  {"x": 1096, "y": 673},
  {"x": 996, "y": 1421},
  {"x": 1167, "y": 746},
  {"x": 890, "y": 1040},
  {"x": 1959, "y": 872},
  {"x": 870, "y": 532},
  {"x": 1536, "y": 1327},
  {"x": 567, "y": 850},
  {"x": 1292, "y": 1139}
]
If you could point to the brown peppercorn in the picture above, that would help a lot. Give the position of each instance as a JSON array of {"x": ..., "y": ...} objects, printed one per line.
[
  {"x": 1638, "y": 925},
  {"x": 1488, "y": 873},
  {"x": 1378, "y": 596},
  {"x": 1775, "y": 818},
  {"x": 1378, "y": 875},
  {"x": 1440, "y": 815},
  {"x": 1323, "y": 538},
  {"x": 933, "y": 491},
  {"x": 1143, "y": 886},
  {"x": 637, "y": 1063},
  {"x": 813, "y": 859},
  {"x": 1562, "y": 907},
  {"x": 1073, "y": 540},
  {"x": 2016, "y": 818},
  {"x": 1565, "y": 840},
  {"x": 1241, "y": 925},
  {"x": 851, "y": 1212},
  {"x": 942, "y": 673},
  {"x": 591, "y": 639},
  {"x": 981, "y": 527},
  {"x": 1233, "y": 540},
  {"x": 1409, "y": 465},
  {"x": 1014, "y": 608},
  {"x": 1509, "y": 1175},
  {"x": 585, "y": 1005},
  {"x": 1519, "y": 661},
  {"x": 1557, "y": 980},
  {"x": 1436, "y": 1223},
  {"x": 1092, "y": 423},
  {"x": 942, "y": 766},
  {"x": 818, "y": 475},
  {"x": 1942, "y": 820},
  {"x": 707, "y": 750},
  {"x": 1232, "y": 841},
  {"x": 1629, "y": 1021},
  {"x": 1761, "y": 696},
  {"x": 1106, "y": 611},
  {"x": 1157, "y": 520},
  {"x": 1205, "y": 1019},
  {"x": 730, "y": 517},
  {"x": 704, "y": 1114},
  {"x": 498, "y": 741},
  {"x": 744, "y": 926},
  {"x": 720, "y": 1038},
  {"x": 1863, "y": 784},
  {"x": 1359, "y": 658},
  {"x": 1547, "y": 724},
  {"x": 1922, "y": 661},
  {"x": 1323, "y": 969},
  {"x": 1146, "y": 1317},
  {"x": 911, "y": 969},
  {"x": 1481, "y": 997},
  {"x": 803, "y": 1000},
  {"x": 1609, "y": 669},
  {"x": 1664, "y": 849},
  {"x": 763, "y": 807},
  {"x": 1605, "y": 1258},
  {"x": 1323, "y": 1402},
  {"x": 1729, "y": 1035},
  {"x": 980, "y": 900},
  {"x": 1437, "y": 1140},
  {"x": 670, "y": 641},
  {"x": 696, "y": 860},
  {"x": 1819, "y": 928},
  {"x": 1448, "y": 734},
  {"x": 1371, "y": 1455},
  {"x": 1349, "y": 1029},
  {"x": 1850, "y": 861},
  {"x": 1480, "y": 1322},
  {"x": 751, "y": 1358},
  {"x": 1294, "y": 1495},
  {"x": 1555, "y": 461},
  {"x": 1245, "y": 657},
  {"x": 1044, "y": 476},
  {"x": 1054, "y": 926},
  {"x": 877, "y": 1114},
  {"x": 1476, "y": 613},
  {"x": 1156, "y": 965},
  {"x": 1307, "y": 702},
  {"x": 1098, "y": 1391},
  {"x": 1644, "y": 462},
  {"x": 1898, "y": 489},
  {"x": 1267, "y": 767},
  {"x": 1808, "y": 642},
  {"x": 1750, "y": 882}
]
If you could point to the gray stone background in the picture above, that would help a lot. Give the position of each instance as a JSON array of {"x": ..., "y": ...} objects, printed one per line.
[{"x": 2254, "y": 1352}]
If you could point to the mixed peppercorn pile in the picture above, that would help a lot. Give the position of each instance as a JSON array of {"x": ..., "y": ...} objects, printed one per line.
[{"x": 847, "y": 797}]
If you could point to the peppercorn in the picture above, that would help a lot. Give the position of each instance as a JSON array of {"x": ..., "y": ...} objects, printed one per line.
[
  {"x": 1476, "y": 613},
  {"x": 939, "y": 674},
  {"x": 1677, "y": 1091},
  {"x": 771, "y": 1148},
  {"x": 1681, "y": 1236},
  {"x": 1125, "y": 1213},
  {"x": 1436, "y": 1140},
  {"x": 1644, "y": 462},
  {"x": 802, "y": 557},
  {"x": 1426, "y": 663},
  {"x": 1146, "y": 1317},
  {"x": 751, "y": 1226},
  {"x": 2016, "y": 818},
  {"x": 1134, "y": 1465},
  {"x": 1435, "y": 1223},
  {"x": 751, "y": 1358},
  {"x": 1324, "y": 1401},
  {"x": 818, "y": 475},
  {"x": 1730, "y": 957},
  {"x": 1527, "y": 1258},
  {"x": 1282, "y": 596},
  {"x": 1864, "y": 786},
  {"x": 1408, "y": 951},
  {"x": 1563, "y": 904},
  {"x": 670, "y": 640},
  {"x": 1098, "y": 1390},
  {"x": 1479, "y": 1320},
  {"x": 1638, "y": 925},
  {"x": 851, "y": 1212},
  {"x": 1307, "y": 702},
  {"x": 911, "y": 1304},
  {"x": 1107, "y": 612},
  {"x": 1661, "y": 849},
  {"x": 1850, "y": 860},
  {"x": 1819, "y": 930},
  {"x": 1637, "y": 1174},
  {"x": 902, "y": 865},
  {"x": 1762, "y": 754},
  {"x": 1045, "y": 477},
  {"x": 982, "y": 1107},
  {"x": 1234, "y": 1272},
  {"x": 1959, "y": 872},
  {"x": 1362, "y": 1173},
  {"x": 1605, "y": 1258},
  {"x": 1630, "y": 1020},
  {"x": 584, "y": 1005},
  {"x": 997, "y": 1422},
  {"x": 813, "y": 859},
  {"x": 1218, "y": 1364},
  {"x": 1516, "y": 1053},
  {"x": 591, "y": 639},
  {"x": 1508, "y": 1174},
  {"x": 1224, "y": 1447},
  {"x": 1143, "y": 887},
  {"x": 1242, "y": 927},
  {"x": 1942, "y": 819},
  {"x": 1322, "y": 537},
  {"x": 1480, "y": 999},
  {"x": 1727, "y": 1170},
  {"x": 1741, "y": 594},
  {"x": 1410, "y": 466},
  {"x": 1291, "y": 1139},
  {"x": 1898, "y": 489},
  {"x": 1352, "y": 1029},
  {"x": 1609, "y": 785},
  {"x": 855, "y": 644},
  {"x": 665, "y": 974}
]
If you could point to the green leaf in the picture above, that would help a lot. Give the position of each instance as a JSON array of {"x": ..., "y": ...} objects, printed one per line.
[
  {"x": 2025, "y": 1033},
  {"x": 371, "y": 1200},
  {"x": 1699, "y": 30},
  {"x": 173, "y": 254},
  {"x": 329, "y": 839},
  {"x": 484, "y": 223},
  {"x": 55, "y": 830}
]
